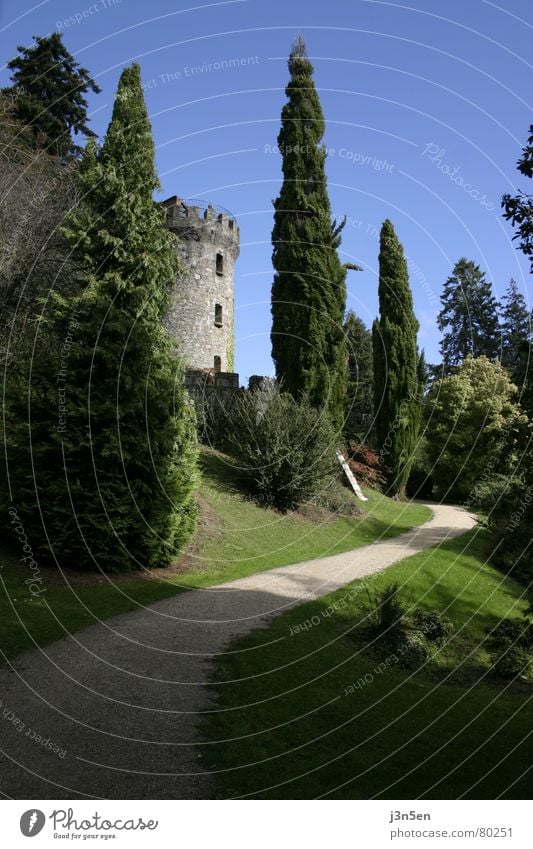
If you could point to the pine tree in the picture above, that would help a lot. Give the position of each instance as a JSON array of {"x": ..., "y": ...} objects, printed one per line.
[
  {"x": 519, "y": 208},
  {"x": 516, "y": 333},
  {"x": 469, "y": 316},
  {"x": 102, "y": 463},
  {"x": 396, "y": 364},
  {"x": 360, "y": 392},
  {"x": 48, "y": 92},
  {"x": 309, "y": 289}
]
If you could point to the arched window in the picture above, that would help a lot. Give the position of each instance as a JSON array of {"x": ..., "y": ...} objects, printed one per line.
[
  {"x": 220, "y": 264},
  {"x": 218, "y": 315},
  {"x": 218, "y": 364}
]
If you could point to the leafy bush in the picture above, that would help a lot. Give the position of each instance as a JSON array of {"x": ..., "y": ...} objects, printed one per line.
[
  {"x": 434, "y": 627},
  {"x": 213, "y": 416},
  {"x": 388, "y": 611},
  {"x": 365, "y": 465},
  {"x": 407, "y": 635},
  {"x": 287, "y": 447},
  {"x": 511, "y": 648},
  {"x": 487, "y": 494}
]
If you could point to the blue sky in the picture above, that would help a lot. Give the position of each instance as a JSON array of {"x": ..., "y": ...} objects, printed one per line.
[{"x": 427, "y": 107}]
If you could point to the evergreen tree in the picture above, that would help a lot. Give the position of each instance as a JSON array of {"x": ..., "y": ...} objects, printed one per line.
[
  {"x": 360, "y": 392},
  {"x": 516, "y": 333},
  {"x": 309, "y": 289},
  {"x": 396, "y": 364},
  {"x": 519, "y": 208},
  {"x": 102, "y": 463},
  {"x": 48, "y": 92},
  {"x": 469, "y": 317}
]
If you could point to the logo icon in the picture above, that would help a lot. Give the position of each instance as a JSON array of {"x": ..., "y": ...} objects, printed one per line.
[{"x": 32, "y": 822}]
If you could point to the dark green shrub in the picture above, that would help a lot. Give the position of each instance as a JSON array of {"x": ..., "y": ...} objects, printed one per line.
[
  {"x": 487, "y": 494},
  {"x": 511, "y": 648},
  {"x": 387, "y": 614},
  {"x": 286, "y": 447},
  {"x": 213, "y": 416},
  {"x": 511, "y": 524},
  {"x": 406, "y": 636},
  {"x": 432, "y": 626}
]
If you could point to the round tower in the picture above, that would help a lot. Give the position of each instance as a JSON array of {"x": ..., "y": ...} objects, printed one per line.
[{"x": 200, "y": 317}]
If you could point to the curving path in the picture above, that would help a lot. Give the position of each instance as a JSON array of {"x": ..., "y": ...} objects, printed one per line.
[{"x": 120, "y": 700}]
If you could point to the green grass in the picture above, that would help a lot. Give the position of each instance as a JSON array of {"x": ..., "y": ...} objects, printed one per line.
[
  {"x": 292, "y": 725},
  {"x": 236, "y": 537}
]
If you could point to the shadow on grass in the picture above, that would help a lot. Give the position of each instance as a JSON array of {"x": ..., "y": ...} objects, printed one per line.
[{"x": 223, "y": 472}]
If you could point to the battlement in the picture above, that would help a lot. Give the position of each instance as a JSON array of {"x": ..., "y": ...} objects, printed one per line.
[{"x": 190, "y": 215}]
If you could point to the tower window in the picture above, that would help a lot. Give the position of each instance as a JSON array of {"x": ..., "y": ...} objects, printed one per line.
[
  {"x": 218, "y": 315},
  {"x": 217, "y": 364},
  {"x": 220, "y": 264}
]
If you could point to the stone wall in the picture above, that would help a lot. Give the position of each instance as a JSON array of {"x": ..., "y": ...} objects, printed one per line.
[{"x": 200, "y": 318}]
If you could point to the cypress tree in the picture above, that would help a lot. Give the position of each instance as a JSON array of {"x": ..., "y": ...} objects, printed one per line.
[
  {"x": 48, "y": 92},
  {"x": 396, "y": 365},
  {"x": 516, "y": 333},
  {"x": 469, "y": 316},
  {"x": 309, "y": 289},
  {"x": 102, "y": 463},
  {"x": 360, "y": 392}
]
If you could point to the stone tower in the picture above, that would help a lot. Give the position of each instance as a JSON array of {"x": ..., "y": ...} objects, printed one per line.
[{"x": 200, "y": 317}]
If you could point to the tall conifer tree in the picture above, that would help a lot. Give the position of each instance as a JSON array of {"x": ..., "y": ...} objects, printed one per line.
[
  {"x": 360, "y": 392},
  {"x": 397, "y": 365},
  {"x": 309, "y": 289},
  {"x": 102, "y": 463},
  {"x": 516, "y": 331},
  {"x": 48, "y": 92},
  {"x": 469, "y": 316}
]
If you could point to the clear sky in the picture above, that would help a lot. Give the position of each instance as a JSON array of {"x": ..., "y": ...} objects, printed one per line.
[{"x": 416, "y": 98}]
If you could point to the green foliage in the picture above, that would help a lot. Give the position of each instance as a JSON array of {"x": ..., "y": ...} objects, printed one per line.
[
  {"x": 519, "y": 208},
  {"x": 287, "y": 447},
  {"x": 397, "y": 392},
  {"x": 511, "y": 521},
  {"x": 387, "y": 612},
  {"x": 101, "y": 443},
  {"x": 48, "y": 93},
  {"x": 432, "y": 626},
  {"x": 420, "y": 482},
  {"x": 409, "y": 635},
  {"x": 474, "y": 427},
  {"x": 213, "y": 415},
  {"x": 489, "y": 491},
  {"x": 469, "y": 316},
  {"x": 309, "y": 289},
  {"x": 360, "y": 392},
  {"x": 511, "y": 648},
  {"x": 516, "y": 334}
]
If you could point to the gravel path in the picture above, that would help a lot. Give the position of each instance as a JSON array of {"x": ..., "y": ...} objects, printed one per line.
[{"x": 111, "y": 711}]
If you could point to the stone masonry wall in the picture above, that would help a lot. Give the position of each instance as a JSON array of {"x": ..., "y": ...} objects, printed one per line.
[{"x": 191, "y": 318}]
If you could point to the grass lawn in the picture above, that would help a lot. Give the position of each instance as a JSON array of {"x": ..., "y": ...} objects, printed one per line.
[
  {"x": 235, "y": 537},
  {"x": 292, "y": 725}
]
